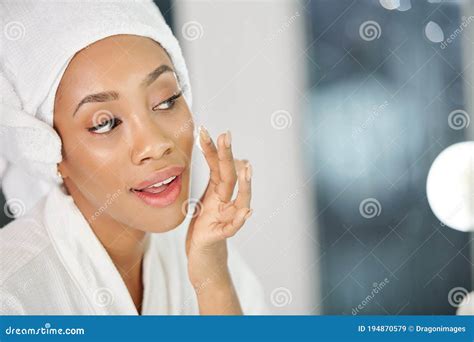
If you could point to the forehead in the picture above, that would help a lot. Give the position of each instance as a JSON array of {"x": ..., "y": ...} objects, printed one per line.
[{"x": 111, "y": 62}]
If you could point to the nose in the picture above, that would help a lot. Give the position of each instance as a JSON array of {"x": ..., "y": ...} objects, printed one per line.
[{"x": 149, "y": 142}]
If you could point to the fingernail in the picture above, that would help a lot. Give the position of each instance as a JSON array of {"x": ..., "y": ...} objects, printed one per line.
[
  {"x": 248, "y": 214},
  {"x": 204, "y": 134},
  {"x": 227, "y": 139},
  {"x": 248, "y": 173}
]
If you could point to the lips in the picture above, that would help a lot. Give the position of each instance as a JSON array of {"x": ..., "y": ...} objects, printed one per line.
[
  {"x": 161, "y": 188},
  {"x": 159, "y": 178}
]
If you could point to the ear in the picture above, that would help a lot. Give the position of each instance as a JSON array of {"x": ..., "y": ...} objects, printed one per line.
[{"x": 62, "y": 169}]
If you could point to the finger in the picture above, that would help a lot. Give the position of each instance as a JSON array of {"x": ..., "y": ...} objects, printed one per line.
[
  {"x": 244, "y": 193},
  {"x": 210, "y": 153},
  {"x": 238, "y": 221},
  {"x": 240, "y": 164},
  {"x": 228, "y": 176}
]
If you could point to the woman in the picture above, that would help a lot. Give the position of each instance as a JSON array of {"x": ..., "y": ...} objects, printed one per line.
[{"x": 113, "y": 235}]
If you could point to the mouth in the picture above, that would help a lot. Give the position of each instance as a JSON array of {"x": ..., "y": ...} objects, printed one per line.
[{"x": 162, "y": 188}]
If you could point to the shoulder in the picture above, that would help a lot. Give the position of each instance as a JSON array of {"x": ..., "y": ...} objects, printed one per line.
[
  {"x": 22, "y": 240},
  {"x": 34, "y": 278},
  {"x": 23, "y": 246}
]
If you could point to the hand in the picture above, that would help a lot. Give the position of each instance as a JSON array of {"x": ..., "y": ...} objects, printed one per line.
[{"x": 217, "y": 216}]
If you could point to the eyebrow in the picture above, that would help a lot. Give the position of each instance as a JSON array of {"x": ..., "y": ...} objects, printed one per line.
[{"x": 106, "y": 96}]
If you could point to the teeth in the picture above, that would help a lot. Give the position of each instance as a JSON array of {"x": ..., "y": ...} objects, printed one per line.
[{"x": 166, "y": 181}]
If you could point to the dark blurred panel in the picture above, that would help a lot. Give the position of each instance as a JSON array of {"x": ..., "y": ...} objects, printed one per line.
[
  {"x": 166, "y": 8},
  {"x": 381, "y": 93},
  {"x": 5, "y": 215}
]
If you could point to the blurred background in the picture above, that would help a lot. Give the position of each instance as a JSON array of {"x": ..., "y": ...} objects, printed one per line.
[{"x": 341, "y": 106}]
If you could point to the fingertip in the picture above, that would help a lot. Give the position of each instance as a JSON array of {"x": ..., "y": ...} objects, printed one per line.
[
  {"x": 248, "y": 172},
  {"x": 228, "y": 139},
  {"x": 204, "y": 134},
  {"x": 249, "y": 213},
  {"x": 220, "y": 140}
]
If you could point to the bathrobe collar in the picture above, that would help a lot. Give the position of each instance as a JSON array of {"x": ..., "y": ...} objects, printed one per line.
[{"x": 92, "y": 269}]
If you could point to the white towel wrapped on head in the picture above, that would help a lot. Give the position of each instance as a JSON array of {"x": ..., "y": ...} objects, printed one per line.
[{"x": 40, "y": 38}]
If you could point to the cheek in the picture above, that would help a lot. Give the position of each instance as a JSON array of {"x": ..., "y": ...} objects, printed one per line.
[
  {"x": 92, "y": 167},
  {"x": 187, "y": 141},
  {"x": 184, "y": 135}
]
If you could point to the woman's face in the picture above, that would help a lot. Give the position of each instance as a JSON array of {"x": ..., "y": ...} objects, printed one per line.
[{"x": 122, "y": 120}]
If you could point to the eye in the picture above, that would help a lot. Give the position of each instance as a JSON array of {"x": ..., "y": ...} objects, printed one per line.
[
  {"x": 168, "y": 104},
  {"x": 105, "y": 126}
]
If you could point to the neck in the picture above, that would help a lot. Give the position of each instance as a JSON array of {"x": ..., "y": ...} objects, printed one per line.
[
  {"x": 125, "y": 245},
  {"x": 126, "y": 248}
]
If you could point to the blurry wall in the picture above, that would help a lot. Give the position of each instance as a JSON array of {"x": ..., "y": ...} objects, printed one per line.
[{"x": 248, "y": 76}]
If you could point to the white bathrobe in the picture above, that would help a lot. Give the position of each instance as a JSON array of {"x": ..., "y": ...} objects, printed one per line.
[{"x": 52, "y": 263}]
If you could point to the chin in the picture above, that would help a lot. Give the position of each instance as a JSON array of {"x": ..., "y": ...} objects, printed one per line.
[
  {"x": 161, "y": 220},
  {"x": 164, "y": 223}
]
